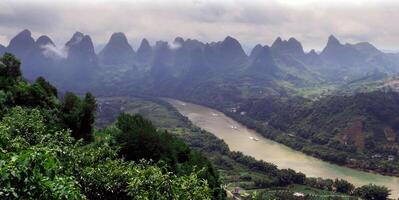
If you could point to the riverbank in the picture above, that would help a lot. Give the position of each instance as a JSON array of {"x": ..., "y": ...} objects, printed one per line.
[
  {"x": 265, "y": 131},
  {"x": 296, "y": 160},
  {"x": 353, "y": 161},
  {"x": 234, "y": 168}
]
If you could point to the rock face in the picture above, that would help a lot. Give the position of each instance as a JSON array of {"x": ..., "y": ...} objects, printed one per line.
[{"x": 117, "y": 51}]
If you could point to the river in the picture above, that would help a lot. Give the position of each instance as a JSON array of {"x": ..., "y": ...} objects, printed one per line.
[{"x": 240, "y": 138}]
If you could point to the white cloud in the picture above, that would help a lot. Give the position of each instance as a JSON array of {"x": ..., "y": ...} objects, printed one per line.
[{"x": 53, "y": 52}]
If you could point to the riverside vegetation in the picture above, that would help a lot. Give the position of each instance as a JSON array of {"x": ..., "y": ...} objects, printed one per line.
[{"x": 258, "y": 178}]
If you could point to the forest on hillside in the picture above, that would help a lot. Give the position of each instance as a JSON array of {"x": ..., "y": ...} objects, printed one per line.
[{"x": 50, "y": 150}]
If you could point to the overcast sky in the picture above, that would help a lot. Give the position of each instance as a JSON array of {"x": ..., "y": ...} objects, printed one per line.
[{"x": 249, "y": 21}]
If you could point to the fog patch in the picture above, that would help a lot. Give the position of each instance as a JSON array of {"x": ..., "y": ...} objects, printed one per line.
[
  {"x": 51, "y": 51},
  {"x": 175, "y": 45}
]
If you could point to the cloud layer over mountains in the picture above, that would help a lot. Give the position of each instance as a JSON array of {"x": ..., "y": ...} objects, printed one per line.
[{"x": 251, "y": 22}]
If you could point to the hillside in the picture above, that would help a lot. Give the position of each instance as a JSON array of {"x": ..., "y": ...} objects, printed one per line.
[
  {"x": 50, "y": 150},
  {"x": 359, "y": 131}
]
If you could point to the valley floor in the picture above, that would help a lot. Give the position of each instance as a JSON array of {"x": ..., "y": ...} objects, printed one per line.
[{"x": 234, "y": 174}]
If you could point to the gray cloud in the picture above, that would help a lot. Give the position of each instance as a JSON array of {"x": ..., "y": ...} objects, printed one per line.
[{"x": 251, "y": 22}]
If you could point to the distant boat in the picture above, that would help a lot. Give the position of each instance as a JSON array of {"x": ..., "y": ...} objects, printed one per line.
[
  {"x": 214, "y": 114},
  {"x": 183, "y": 104},
  {"x": 254, "y": 138},
  {"x": 234, "y": 127}
]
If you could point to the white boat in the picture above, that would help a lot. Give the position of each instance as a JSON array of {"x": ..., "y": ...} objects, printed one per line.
[
  {"x": 254, "y": 138},
  {"x": 214, "y": 114},
  {"x": 234, "y": 127}
]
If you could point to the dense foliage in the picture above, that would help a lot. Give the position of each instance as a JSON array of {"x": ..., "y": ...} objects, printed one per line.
[
  {"x": 47, "y": 150},
  {"x": 359, "y": 131}
]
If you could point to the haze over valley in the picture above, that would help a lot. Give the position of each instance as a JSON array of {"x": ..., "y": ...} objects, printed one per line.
[{"x": 220, "y": 99}]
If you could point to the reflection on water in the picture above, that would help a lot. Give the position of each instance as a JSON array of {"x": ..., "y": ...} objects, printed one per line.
[{"x": 239, "y": 138}]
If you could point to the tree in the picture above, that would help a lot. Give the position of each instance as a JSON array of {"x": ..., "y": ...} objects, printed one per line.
[
  {"x": 87, "y": 117},
  {"x": 79, "y": 115},
  {"x": 343, "y": 186},
  {"x": 40, "y": 160},
  {"x": 372, "y": 192},
  {"x": 71, "y": 113},
  {"x": 289, "y": 176},
  {"x": 150, "y": 182},
  {"x": 11, "y": 66},
  {"x": 50, "y": 89},
  {"x": 35, "y": 173},
  {"x": 139, "y": 139}
]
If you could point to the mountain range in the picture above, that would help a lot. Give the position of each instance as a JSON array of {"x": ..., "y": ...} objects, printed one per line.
[{"x": 188, "y": 66}]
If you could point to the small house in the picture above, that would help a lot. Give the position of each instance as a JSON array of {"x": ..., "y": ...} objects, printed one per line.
[{"x": 299, "y": 194}]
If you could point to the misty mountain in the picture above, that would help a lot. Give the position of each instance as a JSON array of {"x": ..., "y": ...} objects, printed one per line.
[
  {"x": 81, "y": 52},
  {"x": 262, "y": 61},
  {"x": 353, "y": 61},
  {"x": 25, "y": 48},
  {"x": 44, "y": 41},
  {"x": 291, "y": 47},
  {"x": 337, "y": 53},
  {"x": 144, "y": 52},
  {"x": 117, "y": 51},
  {"x": 367, "y": 49},
  {"x": 23, "y": 45},
  {"x": 185, "y": 64},
  {"x": 225, "y": 55}
]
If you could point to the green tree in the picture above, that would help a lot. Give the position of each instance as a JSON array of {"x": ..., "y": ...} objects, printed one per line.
[
  {"x": 87, "y": 117},
  {"x": 39, "y": 158},
  {"x": 139, "y": 139},
  {"x": 152, "y": 182},
  {"x": 11, "y": 66},
  {"x": 343, "y": 186},
  {"x": 372, "y": 192},
  {"x": 71, "y": 113},
  {"x": 36, "y": 173},
  {"x": 50, "y": 89}
]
